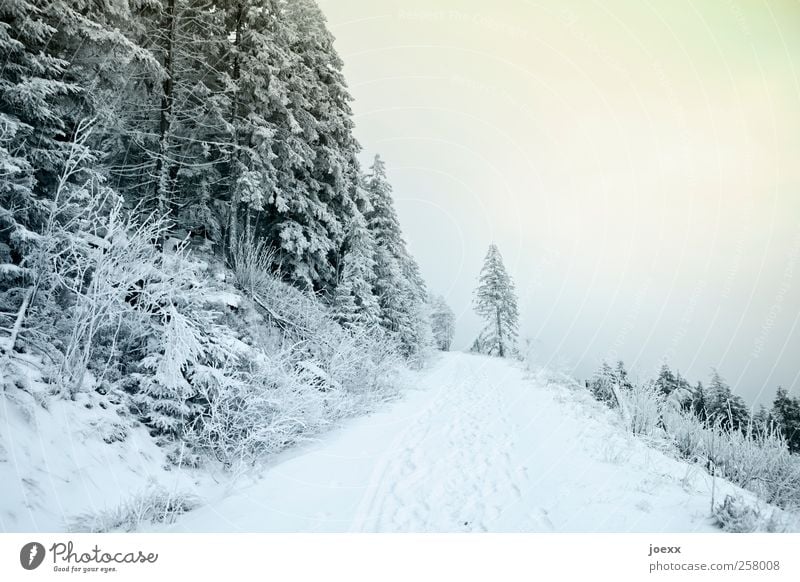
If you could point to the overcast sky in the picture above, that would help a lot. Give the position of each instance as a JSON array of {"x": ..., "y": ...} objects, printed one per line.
[{"x": 637, "y": 163}]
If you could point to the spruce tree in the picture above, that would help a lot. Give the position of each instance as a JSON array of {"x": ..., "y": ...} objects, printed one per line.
[
  {"x": 190, "y": 104},
  {"x": 763, "y": 423},
  {"x": 442, "y": 322},
  {"x": 698, "y": 402},
  {"x": 398, "y": 284},
  {"x": 786, "y": 414},
  {"x": 34, "y": 126},
  {"x": 682, "y": 393},
  {"x": 602, "y": 384},
  {"x": 153, "y": 73},
  {"x": 496, "y": 302},
  {"x": 268, "y": 149},
  {"x": 621, "y": 376},
  {"x": 724, "y": 407},
  {"x": 354, "y": 302},
  {"x": 666, "y": 381},
  {"x": 316, "y": 193}
]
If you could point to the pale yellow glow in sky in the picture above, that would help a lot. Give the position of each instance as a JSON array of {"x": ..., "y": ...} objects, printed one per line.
[{"x": 637, "y": 162}]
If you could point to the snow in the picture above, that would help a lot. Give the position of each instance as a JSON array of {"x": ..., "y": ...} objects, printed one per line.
[
  {"x": 317, "y": 374},
  {"x": 73, "y": 457},
  {"x": 480, "y": 445},
  {"x": 224, "y": 299}
]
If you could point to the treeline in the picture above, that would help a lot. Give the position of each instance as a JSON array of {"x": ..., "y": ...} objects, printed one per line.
[
  {"x": 712, "y": 427},
  {"x": 229, "y": 118},
  {"x": 712, "y": 404},
  {"x": 186, "y": 229}
]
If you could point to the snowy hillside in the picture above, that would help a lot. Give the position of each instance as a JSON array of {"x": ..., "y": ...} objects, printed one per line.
[
  {"x": 60, "y": 459},
  {"x": 476, "y": 444},
  {"x": 479, "y": 445}
]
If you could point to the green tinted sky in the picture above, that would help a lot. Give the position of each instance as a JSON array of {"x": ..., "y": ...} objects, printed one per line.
[{"x": 636, "y": 162}]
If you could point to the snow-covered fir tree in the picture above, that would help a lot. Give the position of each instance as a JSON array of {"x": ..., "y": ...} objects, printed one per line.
[
  {"x": 398, "y": 284},
  {"x": 35, "y": 126},
  {"x": 666, "y": 380},
  {"x": 317, "y": 194},
  {"x": 698, "y": 401},
  {"x": 621, "y": 375},
  {"x": 603, "y": 384},
  {"x": 673, "y": 385},
  {"x": 127, "y": 127},
  {"x": 185, "y": 149},
  {"x": 354, "y": 302},
  {"x": 724, "y": 407},
  {"x": 786, "y": 414},
  {"x": 256, "y": 63},
  {"x": 495, "y": 301},
  {"x": 443, "y": 322}
]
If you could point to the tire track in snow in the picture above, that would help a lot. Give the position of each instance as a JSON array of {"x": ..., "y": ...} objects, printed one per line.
[
  {"x": 379, "y": 480},
  {"x": 450, "y": 470}
]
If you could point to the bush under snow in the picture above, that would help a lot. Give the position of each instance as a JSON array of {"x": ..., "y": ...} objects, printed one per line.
[{"x": 758, "y": 461}]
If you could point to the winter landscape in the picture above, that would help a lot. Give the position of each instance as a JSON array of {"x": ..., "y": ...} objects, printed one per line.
[{"x": 220, "y": 313}]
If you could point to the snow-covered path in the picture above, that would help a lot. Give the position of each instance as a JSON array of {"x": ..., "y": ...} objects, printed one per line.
[{"x": 481, "y": 445}]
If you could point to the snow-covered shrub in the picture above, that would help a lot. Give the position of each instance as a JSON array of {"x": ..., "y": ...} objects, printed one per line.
[
  {"x": 364, "y": 362},
  {"x": 281, "y": 399},
  {"x": 736, "y": 515},
  {"x": 234, "y": 378},
  {"x": 120, "y": 255},
  {"x": 135, "y": 312},
  {"x": 757, "y": 461},
  {"x": 115, "y": 309},
  {"x": 288, "y": 386},
  {"x": 553, "y": 377},
  {"x": 251, "y": 262},
  {"x": 357, "y": 357},
  {"x": 147, "y": 322},
  {"x": 58, "y": 255},
  {"x": 156, "y": 505},
  {"x": 251, "y": 415},
  {"x": 643, "y": 405},
  {"x": 686, "y": 431},
  {"x": 615, "y": 450}
]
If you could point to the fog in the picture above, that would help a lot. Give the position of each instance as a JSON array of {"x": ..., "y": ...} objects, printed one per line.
[{"x": 635, "y": 162}]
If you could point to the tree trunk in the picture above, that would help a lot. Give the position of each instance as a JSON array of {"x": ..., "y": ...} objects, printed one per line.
[
  {"x": 500, "y": 333},
  {"x": 233, "y": 217},
  {"x": 165, "y": 117},
  {"x": 248, "y": 233},
  {"x": 15, "y": 331}
]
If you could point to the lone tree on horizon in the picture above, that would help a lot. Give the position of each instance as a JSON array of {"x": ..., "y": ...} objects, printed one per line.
[{"x": 496, "y": 302}]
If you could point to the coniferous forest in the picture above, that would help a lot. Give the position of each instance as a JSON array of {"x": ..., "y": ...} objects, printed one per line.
[
  {"x": 200, "y": 268},
  {"x": 155, "y": 156}
]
